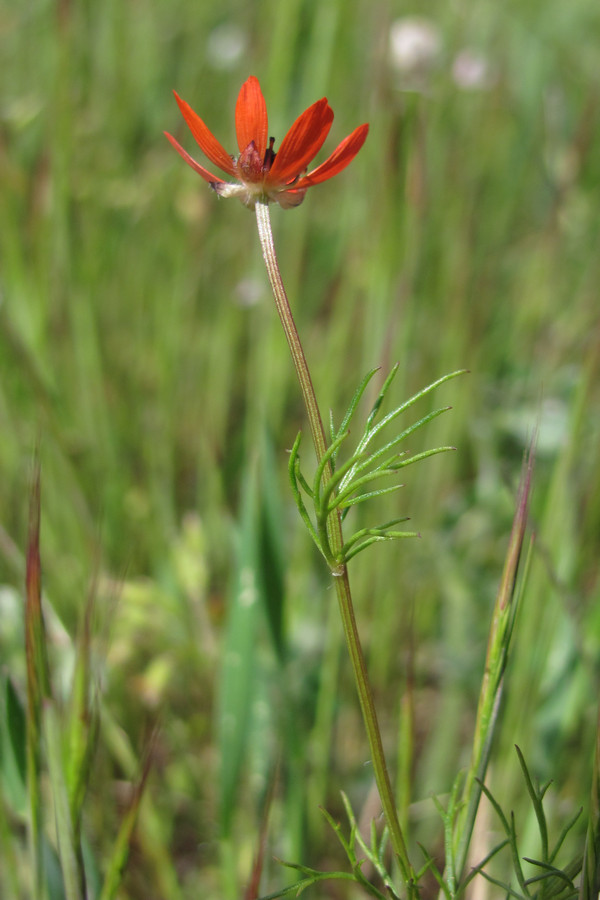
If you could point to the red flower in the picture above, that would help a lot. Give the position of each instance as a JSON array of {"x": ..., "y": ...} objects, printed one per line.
[{"x": 261, "y": 174}]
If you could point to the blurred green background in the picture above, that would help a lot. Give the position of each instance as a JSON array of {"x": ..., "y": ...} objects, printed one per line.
[{"x": 140, "y": 351}]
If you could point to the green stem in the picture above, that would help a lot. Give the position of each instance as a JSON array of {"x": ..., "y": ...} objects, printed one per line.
[
  {"x": 336, "y": 542},
  {"x": 291, "y": 332}
]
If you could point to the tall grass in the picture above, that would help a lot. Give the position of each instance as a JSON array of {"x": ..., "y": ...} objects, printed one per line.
[{"x": 140, "y": 352}]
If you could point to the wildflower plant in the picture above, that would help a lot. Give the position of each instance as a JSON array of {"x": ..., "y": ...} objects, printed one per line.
[
  {"x": 49, "y": 735},
  {"x": 263, "y": 176},
  {"x": 352, "y": 471}
]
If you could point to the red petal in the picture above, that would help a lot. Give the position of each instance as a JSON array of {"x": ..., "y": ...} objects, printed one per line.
[
  {"x": 208, "y": 176},
  {"x": 302, "y": 142},
  {"x": 206, "y": 140},
  {"x": 338, "y": 160},
  {"x": 251, "y": 123}
]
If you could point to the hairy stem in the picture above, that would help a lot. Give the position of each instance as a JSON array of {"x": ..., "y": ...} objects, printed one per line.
[{"x": 336, "y": 542}]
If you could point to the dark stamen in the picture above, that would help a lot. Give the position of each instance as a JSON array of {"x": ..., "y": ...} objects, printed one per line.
[{"x": 269, "y": 155}]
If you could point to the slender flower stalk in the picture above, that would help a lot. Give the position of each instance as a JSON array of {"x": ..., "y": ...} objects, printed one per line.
[
  {"x": 340, "y": 572},
  {"x": 262, "y": 176},
  {"x": 265, "y": 234}
]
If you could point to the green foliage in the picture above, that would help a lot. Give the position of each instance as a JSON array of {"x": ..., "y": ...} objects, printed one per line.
[
  {"x": 139, "y": 347},
  {"x": 373, "y": 853},
  {"x": 258, "y": 592},
  {"x": 548, "y": 880},
  {"x": 41, "y": 743},
  {"x": 345, "y": 487},
  {"x": 590, "y": 881}
]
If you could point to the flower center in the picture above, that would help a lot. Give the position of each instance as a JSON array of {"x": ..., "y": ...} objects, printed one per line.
[{"x": 251, "y": 167}]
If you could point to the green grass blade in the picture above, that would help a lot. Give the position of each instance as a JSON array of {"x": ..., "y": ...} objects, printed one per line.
[
  {"x": 10, "y": 876},
  {"x": 503, "y": 619},
  {"x": 120, "y": 852},
  {"x": 83, "y": 725},
  {"x": 13, "y": 753},
  {"x": 270, "y": 548},
  {"x": 239, "y": 654},
  {"x": 38, "y": 684},
  {"x": 68, "y": 849},
  {"x": 590, "y": 880}
]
